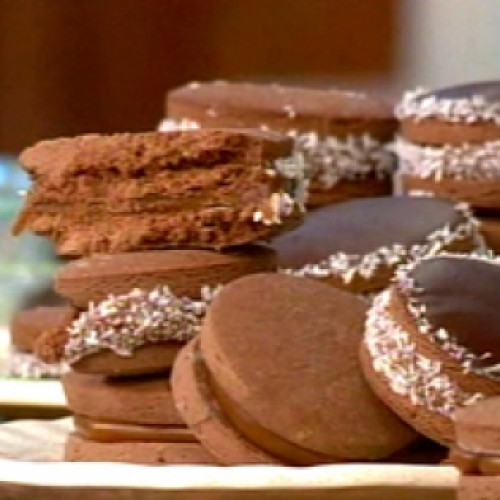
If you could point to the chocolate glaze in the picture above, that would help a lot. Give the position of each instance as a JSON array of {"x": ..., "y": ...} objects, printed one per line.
[
  {"x": 362, "y": 226},
  {"x": 461, "y": 295},
  {"x": 490, "y": 90},
  {"x": 115, "y": 432}
]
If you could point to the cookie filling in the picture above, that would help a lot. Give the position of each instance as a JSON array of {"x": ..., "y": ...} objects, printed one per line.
[
  {"x": 454, "y": 302},
  {"x": 285, "y": 451},
  {"x": 410, "y": 374},
  {"x": 124, "y": 323},
  {"x": 420, "y": 104},
  {"x": 348, "y": 266},
  {"x": 329, "y": 159},
  {"x": 467, "y": 161},
  {"x": 104, "y": 431},
  {"x": 475, "y": 462}
]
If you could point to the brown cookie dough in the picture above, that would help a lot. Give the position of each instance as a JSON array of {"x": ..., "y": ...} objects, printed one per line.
[
  {"x": 432, "y": 343},
  {"x": 269, "y": 338},
  {"x": 185, "y": 272},
  {"x": 341, "y": 134},
  {"x": 128, "y": 192},
  {"x": 357, "y": 245}
]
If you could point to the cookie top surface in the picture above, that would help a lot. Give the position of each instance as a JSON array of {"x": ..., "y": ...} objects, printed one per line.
[
  {"x": 185, "y": 260},
  {"x": 269, "y": 338},
  {"x": 364, "y": 226},
  {"x": 455, "y": 299},
  {"x": 274, "y": 99},
  {"x": 468, "y": 103},
  {"x": 130, "y": 154}
]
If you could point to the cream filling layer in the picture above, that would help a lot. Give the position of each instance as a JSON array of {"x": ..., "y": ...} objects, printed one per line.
[
  {"x": 467, "y": 161},
  {"x": 328, "y": 159},
  {"x": 349, "y": 266},
  {"x": 416, "y": 105},
  {"x": 410, "y": 374}
]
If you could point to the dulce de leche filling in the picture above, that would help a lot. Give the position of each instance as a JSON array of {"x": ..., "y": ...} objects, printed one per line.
[
  {"x": 286, "y": 451},
  {"x": 115, "y": 432},
  {"x": 474, "y": 463}
]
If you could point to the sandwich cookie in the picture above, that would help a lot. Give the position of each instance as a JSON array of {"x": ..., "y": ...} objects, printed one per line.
[
  {"x": 432, "y": 343},
  {"x": 450, "y": 143},
  {"x": 126, "y": 332},
  {"x": 127, "y": 192},
  {"x": 127, "y": 420},
  {"x": 341, "y": 135},
  {"x": 476, "y": 453},
  {"x": 185, "y": 272},
  {"x": 357, "y": 245},
  {"x": 273, "y": 377}
]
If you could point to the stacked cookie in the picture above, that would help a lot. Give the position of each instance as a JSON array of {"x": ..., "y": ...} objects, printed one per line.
[
  {"x": 432, "y": 341},
  {"x": 357, "y": 245},
  {"x": 131, "y": 208},
  {"x": 450, "y": 147},
  {"x": 341, "y": 135}
]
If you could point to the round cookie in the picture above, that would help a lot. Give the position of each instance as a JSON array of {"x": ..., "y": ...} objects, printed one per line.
[
  {"x": 137, "y": 333},
  {"x": 271, "y": 338},
  {"x": 340, "y": 134},
  {"x": 432, "y": 341},
  {"x": 185, "y": 272},
  {"x": 450, "y": 144},
  {"x": 79, "y": 449},
  {"x": 468, "y": 113},
  {"x": 27, "y": 326},
  {"x": 357, "y": 245},
  {"x": 137, "y": 400},
  {"x": 477, "y": 450}
]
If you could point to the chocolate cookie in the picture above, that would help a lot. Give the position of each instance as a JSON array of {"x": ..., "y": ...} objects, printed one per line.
[
  {"x": 136, "y": 400},
  {"x": 357, "y": 245},
  {"x": 476, "y": 453},
  {"x": 133, "y": 334},
  {"x": 79, "y": 449},
  {"x": 340, "y": 134},
  {"x": 27, "y": 326},
  {"x": 269, "y": 338},
  {"x": 450, "y": 143},
  {"x": 185, "y": 272},
  {"x": 128, "y": 192},
  {"x": 432, "y": 341}
]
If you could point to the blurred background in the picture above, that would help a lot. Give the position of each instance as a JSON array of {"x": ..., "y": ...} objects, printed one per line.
[{"x": 104, "y": 65}]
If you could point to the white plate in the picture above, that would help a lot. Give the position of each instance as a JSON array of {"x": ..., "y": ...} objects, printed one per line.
[
  {"x": 29, "y": 468},
  {"x": 17, "y": 392}
]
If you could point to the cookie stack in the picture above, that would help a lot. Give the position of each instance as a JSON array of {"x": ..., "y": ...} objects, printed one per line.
[
  {"x": 158, "y": 223},
  {"x": 450, "y": 147},
  {"x": 341, "y": 135}
]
